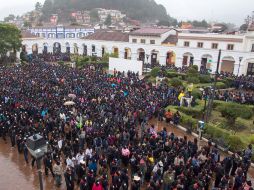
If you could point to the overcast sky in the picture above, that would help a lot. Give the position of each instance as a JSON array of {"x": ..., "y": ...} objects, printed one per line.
[{"x": 233, "y": 11}]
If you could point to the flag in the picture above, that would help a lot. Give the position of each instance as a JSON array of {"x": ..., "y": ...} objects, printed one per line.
[{"x": 79, "y": 124}]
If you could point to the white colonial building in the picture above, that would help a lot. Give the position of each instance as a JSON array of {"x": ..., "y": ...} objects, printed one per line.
[
  {"x": 61, "y": 31},
  {"x": 159, "y": 45}
]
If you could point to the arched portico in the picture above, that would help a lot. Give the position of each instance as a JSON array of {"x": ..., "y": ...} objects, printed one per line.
[
  {"x": 35, "y": 48},
  {"x": 141, "y": 54},
  {"x": 68, "y": 47},
  {"x": 154, "y": 57},
  {"x": 45, "y": 48},
  {"x": 56, "y": 48},
  {"x": 206, "y": 62},
  {"x": 127, "y": 53},
  {"x": 227, "y": 64},
  {"x": 170, "y": 58},
  {"x": 188, "y": 59}
]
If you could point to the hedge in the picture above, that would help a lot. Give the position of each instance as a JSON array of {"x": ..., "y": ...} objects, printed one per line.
[
  {"x": 192, "y": 79},
  {"x": 205, "y": 79},
  {"x": 171, "y": 74},
  {"x": 197, "y": 113},
  {"x": 197, "y": 94},
  {"x": 239, "y": 110},
  {"x": 175, "y": 82},
  {"x": 235, "y": 143},
  {"x": 155, "y": 71}
]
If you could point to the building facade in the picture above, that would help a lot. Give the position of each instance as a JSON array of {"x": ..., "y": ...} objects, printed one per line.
[
  {"x": 161, "y": 46},
  {"x": 61, "y": 32}
]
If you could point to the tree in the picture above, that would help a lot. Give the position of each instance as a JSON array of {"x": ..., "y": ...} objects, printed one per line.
[
  {"x": 27, "y": 24},
  {"x": 244, "y": 27},
  {"x": 38, "y": 6},
  {"x": 163, "y": 23},
  {"x": 9, "y": 18},
  {"x": 108, "y": 20},
  {"x": 94, "y": 16},
  {"x": 10, "y": 40}
]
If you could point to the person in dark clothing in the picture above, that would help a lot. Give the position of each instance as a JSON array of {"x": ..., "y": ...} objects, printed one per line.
[
  {"x": 48, "y": 164},
  {"x": 69, "y": 179},
  {"x": 219, "y": 172}
]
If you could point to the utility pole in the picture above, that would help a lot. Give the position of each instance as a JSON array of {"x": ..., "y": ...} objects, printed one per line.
[{"x": 210, "y": 102}]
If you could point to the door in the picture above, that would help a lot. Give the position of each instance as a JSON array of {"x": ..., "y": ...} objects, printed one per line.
[
  {"x": 250, "y": 70},
  {"x": 154, "y": 59}
]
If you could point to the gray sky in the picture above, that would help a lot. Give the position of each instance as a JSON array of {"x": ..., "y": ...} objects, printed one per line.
[{"x": 212, "y": 10}]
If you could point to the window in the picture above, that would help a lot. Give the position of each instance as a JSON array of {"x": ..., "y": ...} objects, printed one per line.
[
  {"x": 152, "y": 41},
  {"x": 214, "y": 46},
  {"x": 134, "y": 40},
  {"x": 230, "y": 47},
  {"x": 200, "y": 44},
  {"x": 142, "y": 41},
  {"x": 51, "y": 35},
  {"x": 70, "y": 35},
  {"x": 186, "y": 44},
  {"x": 252, "y": 48},
  {"x": 43, "y": 35},
  {"x": 93, "y": 48},
  {"x": 250, "y": 70}
]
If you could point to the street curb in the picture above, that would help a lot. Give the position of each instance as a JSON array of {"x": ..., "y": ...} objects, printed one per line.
[{"x": 206, "y": 140}]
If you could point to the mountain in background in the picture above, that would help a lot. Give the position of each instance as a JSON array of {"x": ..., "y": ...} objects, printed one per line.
[{"x": 143, "y": 10}]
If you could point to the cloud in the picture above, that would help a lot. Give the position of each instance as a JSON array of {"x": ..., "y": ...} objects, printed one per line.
[{"x": 234, "y": 11}]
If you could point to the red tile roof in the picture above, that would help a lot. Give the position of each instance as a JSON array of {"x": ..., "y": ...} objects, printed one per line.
[
  {"x": 27, "y": 34},
  {"x": 150, "y": 31},
  {"x": 172, "y": 39},
  {"x": 108, "y": 36}
]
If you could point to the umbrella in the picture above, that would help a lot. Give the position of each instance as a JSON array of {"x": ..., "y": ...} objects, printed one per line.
[
  {"x": 69, "y": 103},
  {"x": 73, "y": 96}
]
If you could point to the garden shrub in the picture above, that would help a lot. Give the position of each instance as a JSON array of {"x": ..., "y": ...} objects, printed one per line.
[
  {"x": 221, "y": 85},
  {"x": 234, "y": 109},
  {"x": 216, "y": 132},
  {"x": 187, "y": 120},
  {"x": 155, "y": 71},
  {"x": 235, "y": 143},
  {"x": 191, "y": 111},
  {"x": 205, "y": 79},
  {"x": 197, "y": 94},
  {"x": 195, "y": 67},
  {"x": 171, "y": 74},
  {"x": 192, "y": 79},
  {"x": 176, "y": 82}
]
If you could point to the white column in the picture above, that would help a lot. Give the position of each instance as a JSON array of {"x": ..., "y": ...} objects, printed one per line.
[
  {"x": 195, "y": 62},
  {"x": 162, "y": 60},
  {"x": 179, "y": 61},
  {"x": 40, "y": 49}
]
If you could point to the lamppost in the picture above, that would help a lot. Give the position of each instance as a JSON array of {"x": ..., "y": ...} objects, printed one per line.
[
  {"x": 213, "y": 89},
  {"x": 240, "y": 60},
  {"x": 37, "y": 147},
  {"x": 147, "y": 57}
]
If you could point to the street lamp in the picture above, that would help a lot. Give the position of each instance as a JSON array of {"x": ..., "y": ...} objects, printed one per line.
[
  {"x": 240, "y": 60},
  {"x": 147, "y": 57},
  {"x": 37, "y": 147}
]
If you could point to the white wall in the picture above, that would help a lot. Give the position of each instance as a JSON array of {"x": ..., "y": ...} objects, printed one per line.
[
  {"x": 178, "y": 50},
  {"x": 125, "y": 65}
]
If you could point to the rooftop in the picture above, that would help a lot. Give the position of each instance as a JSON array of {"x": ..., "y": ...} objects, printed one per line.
[
  {"x": 150, "y": 31},
  {"x": 172, "y": 39},
  {"x": 27, "y": 34},
  {"x": 108, "y": 36}
]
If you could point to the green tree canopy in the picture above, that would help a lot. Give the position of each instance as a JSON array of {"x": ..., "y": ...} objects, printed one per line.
[
  {"x": 10, "y": 40},
  {"x": 9, "y": 18},
  {"x": 108, "y": 20}
]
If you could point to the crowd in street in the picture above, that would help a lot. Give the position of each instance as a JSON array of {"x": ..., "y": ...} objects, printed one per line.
[{"x": 104, "y": 139}]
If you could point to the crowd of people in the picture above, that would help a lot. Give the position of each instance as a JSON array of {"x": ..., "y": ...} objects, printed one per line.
[{"x": 104, "y": 139}]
